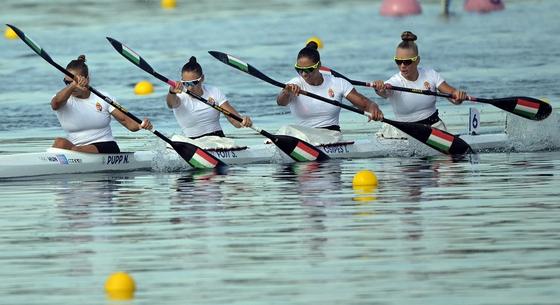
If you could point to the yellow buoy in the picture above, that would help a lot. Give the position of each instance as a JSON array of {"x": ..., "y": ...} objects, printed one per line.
[
  {"x": 317, "y": 41},
  {"x": 168, "y": 4},
  {"x": 364, "y": 193},
  {"x": 120, "y": 286},
  {"x": 10, "y": 34},
  {"x": 364, "y": 177},
  {"x": 144, "y": 87}
]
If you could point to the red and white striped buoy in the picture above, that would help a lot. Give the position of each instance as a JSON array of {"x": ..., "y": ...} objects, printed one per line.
[
  {"x": 484, "y": 6},
  {"x": 400, "y": 8}
]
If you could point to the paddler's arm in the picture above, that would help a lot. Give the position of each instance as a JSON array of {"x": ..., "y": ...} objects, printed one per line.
[
  {"x": 380, "y": 89},
  {"x": 365, "y": 104},
  {"x": 458, "y": 95},
  {"x": 172, "y": 99},
  {"x": 63, "y": 95},
  {"x": 129, "y": 123},
  {"x": 287, "y": 94},
  {"x": 247, "y": 122}
]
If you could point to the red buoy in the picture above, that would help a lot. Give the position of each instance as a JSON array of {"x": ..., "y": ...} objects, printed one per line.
[
  {"x": 484, "y": 6},
  {"x": 400, "y": 8}
]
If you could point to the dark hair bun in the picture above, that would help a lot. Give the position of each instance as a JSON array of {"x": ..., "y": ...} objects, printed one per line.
[
  {"x": 82, "y": 58},
  {"x": 408, "y": 36},
  {"x": 312, "y": 44},
  {"x": 192, "y": 65}
]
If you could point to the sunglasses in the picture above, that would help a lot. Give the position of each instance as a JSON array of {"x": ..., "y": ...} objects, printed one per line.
[
  {"x": 191, "y": 83},
  {"x": 405, "y": 61},
  {"x": 309, "y": 69}
]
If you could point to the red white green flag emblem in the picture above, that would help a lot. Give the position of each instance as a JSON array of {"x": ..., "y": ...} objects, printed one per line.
[
  {"x": 303, "y": 152},
  {"x": 526, "y": 108},
  {"x": 440, "y": 139},
  {"x": 201, "y": 159}
]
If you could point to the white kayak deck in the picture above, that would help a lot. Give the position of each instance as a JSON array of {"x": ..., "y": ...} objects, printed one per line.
[{"x": 60, "y": 161}]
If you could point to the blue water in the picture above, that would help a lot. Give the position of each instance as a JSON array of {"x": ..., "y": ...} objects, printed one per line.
[{"x": 435, "y": 231}]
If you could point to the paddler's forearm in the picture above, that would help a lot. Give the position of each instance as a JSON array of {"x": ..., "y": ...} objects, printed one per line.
[
  {"x": 284, "y": 97},
  {"x": 172, "y": 100},
  {"x": 62, "y": 97}
]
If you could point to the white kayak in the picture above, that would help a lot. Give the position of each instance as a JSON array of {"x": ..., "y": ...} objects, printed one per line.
[
  {"x": 363, "y": 148},
  {"x": 60, "y": 161}
]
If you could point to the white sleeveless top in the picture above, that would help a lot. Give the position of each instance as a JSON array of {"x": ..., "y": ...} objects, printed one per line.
[
  {"x": 311, "y": 112},
  {"x": 195, "y": 117},
  {"x": 412, "y": 107},
  {"x": 87, "y": 120}
]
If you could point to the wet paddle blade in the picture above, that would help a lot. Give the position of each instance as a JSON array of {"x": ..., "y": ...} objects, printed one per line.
[
  {"x": 418, "y": 131},
  {"x": 437, "y": 139},
  {"x": 523, "y": 106},
  {"x": 527, "y": 107},
  {"x": 195, "y": 156},
  {"x": 297, "y": 149}
]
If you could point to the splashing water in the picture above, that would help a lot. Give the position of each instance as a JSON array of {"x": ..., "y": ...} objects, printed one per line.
[{"x": 527, "y": 135}]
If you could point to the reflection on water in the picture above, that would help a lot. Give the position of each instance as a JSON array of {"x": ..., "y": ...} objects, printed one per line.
[
  {"x": 87, "y": 201},
  {"x": 194, "y": 193},
  {"x": 277, "y": 229},
  {"x": 314, "y": 182},
  {"x": 317, "y": 185}
]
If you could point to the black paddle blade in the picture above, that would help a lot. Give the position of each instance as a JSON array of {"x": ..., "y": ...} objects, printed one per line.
[
  {"x": 33, "y": 45},
  {"x": 129, "y": 54},
  {"x": 195, "y": 156},
  {"x": 437, "y": 139},
  {"x": 245, "y": 67},
  {"x": 527, "y": 107},
  {"x": 297, "y": 149}
]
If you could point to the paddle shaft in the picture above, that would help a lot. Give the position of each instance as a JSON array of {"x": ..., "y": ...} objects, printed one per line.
[
  {"x": 48, "y": 58},
  {"x": 194, "y": 155},
  {"x": 341, "y": 105},
  {"x": 333, "y": 102},
  {"x": 118, "y": 106},
  {"x": 297, "y": 149},
  {"x": 401, "y": 125},
  {"x": 419, "y": 91},
  {"x": 429, "y": 92},
  {"x": 114, "y": 104},
  {"x": 431, "y": 136},
  {"x": 205, "y": 101},
  {"x": 526, "y": 107}
]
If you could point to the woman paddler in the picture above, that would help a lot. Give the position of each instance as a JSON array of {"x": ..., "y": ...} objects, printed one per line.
[
  {"x": 197, "y": 119},
  {"x": 86, "y": 117},
  {"x": 314, "y": 116},
  {"x": 410, "y": 107}
]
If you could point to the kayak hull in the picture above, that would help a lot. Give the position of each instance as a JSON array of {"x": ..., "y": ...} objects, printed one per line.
[{"x": 60, "y": 161}]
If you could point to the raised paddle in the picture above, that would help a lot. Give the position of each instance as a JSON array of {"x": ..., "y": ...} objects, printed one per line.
[
  {"x": 297, "y": 149},
  {"x": 194, "y": 155},
  {"x": 433, "y": 137},
  {"x": 523, "y": 106}
]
